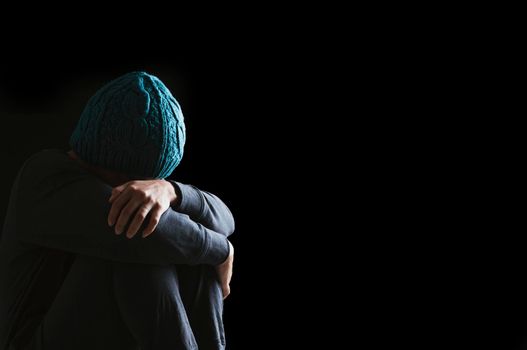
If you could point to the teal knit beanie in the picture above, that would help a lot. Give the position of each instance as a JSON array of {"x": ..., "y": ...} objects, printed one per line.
[{"x": 132, "y": 125}]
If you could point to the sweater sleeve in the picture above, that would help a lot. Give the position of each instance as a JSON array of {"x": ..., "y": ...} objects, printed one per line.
[
  {"x": 67, "y": 210},
  {"x": 205, "y": 208}
]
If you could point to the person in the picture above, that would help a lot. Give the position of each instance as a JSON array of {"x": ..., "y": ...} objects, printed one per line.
[{"x": 99, "y": 251}]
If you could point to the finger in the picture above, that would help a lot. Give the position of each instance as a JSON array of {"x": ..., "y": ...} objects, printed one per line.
[
  {"x": 126, "y": 214},
  {"x": 114, "y": 196},
  {"x": 139, "y": 217},
  {"x": 226, "y": 290},
  {"x": 155, "y": 216},
  {"x": 117, "y": 205},
  {"x": 117, "y": 191}
]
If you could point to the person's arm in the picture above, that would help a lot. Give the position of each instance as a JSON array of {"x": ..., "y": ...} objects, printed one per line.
[
  {"x": 68, "y": 211},
  {"x": 140, "y": 203},
  {"x": 203, "y": 207}
]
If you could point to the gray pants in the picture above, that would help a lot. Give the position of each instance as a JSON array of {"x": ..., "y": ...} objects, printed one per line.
[{"x": 110, "y": 305}]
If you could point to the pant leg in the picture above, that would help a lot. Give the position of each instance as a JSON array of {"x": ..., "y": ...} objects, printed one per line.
[
  {"x": 203, "y": 298},
  {"x": 84, "y": 314},
  {"x": 149, "y": 300},
  {"x": 187, "y": 302},
  {"x": 109, "y": 305}
]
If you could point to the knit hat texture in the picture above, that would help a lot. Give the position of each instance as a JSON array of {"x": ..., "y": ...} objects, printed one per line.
[{"x": 132, "y": 125}]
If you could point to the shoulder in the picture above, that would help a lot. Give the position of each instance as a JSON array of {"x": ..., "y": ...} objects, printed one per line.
[
  {"x": 47, "y": 158},
  {"x": 51, "y": 160},
  {"x": 47, "y": 165}
]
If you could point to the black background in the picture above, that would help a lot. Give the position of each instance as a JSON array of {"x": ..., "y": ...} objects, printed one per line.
[
  {"x": 231, "y": 94},
  {"x": 250, "y": 92}
]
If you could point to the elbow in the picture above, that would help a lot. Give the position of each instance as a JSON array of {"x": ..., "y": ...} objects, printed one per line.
[
  {"x": 230, "y": 226},
  {"x": 225, "y": 225},
  {"x": 221, "y": 219}
]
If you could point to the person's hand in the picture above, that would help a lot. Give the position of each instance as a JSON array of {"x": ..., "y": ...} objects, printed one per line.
[
  {"x": 224, "y": 271},
  {"x": 134, "y": 200}
]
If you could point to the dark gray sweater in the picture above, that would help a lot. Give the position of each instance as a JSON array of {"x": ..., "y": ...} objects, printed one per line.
[{"x": 57, "y": 209}]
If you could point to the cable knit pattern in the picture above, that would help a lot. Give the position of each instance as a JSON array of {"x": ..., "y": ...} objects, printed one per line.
[{"x": 132, "y": 125}]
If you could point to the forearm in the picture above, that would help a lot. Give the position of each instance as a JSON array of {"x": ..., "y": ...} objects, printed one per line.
[
  {"x": 204, "y": 208},
  {"x": 73, "y": 218}
]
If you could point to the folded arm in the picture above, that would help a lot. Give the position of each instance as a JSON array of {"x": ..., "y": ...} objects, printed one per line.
[
  {"x": 68, "y": 211},
  {"x": 204, "y": 207}
]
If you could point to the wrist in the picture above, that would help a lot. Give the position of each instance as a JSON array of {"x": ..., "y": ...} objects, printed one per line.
[{"x": 174, "y": 195}]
